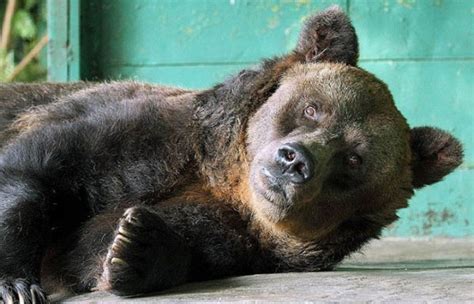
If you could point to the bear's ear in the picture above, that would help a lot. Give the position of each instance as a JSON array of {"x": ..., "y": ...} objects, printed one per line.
[
  {"x": 435, "y": 154},
  {"x": 329, "y": 36}
]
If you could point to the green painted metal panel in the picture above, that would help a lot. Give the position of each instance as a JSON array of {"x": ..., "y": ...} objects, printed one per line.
[
  {"x": 145, "y": 35},
  {"x": 58, "y": 35},
  {"x": 63, "y": 51},
  {"x": 390, "y": 29},
  {"x": 423, "y": 49},
  {"x": 144, "y": 32}
]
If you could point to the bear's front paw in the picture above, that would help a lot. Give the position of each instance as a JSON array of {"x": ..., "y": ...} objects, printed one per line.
[
  {"x": 21, "y": 291},
  {"x": 145, "y": 255}
]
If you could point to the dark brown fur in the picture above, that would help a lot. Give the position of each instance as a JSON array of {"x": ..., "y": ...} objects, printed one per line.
[{"x": 133, "y": 188}]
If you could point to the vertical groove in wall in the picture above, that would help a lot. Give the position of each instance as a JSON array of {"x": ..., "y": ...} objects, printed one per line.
[
  {"x": 73, "y": 42},
  {"x": 57, "y": 44}
]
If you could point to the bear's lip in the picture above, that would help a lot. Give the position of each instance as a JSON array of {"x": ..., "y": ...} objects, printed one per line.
[{"x": 271, "y": 183}]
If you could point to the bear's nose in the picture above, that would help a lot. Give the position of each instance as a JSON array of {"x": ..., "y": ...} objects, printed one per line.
[{"x": 295, "y": 163}]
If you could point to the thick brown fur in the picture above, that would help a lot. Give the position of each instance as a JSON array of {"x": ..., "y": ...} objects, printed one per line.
[{"x": 134, "y": 188}]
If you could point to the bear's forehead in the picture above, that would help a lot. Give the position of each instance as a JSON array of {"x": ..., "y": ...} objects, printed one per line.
[
  {"x": 338, "y": 83},
  {"x": 340, "y": 88}
]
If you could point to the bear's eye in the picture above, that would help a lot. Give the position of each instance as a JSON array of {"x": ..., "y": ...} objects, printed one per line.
[
  {"x": 311, "y": 112},
  {"x": 353, "y": 161}
]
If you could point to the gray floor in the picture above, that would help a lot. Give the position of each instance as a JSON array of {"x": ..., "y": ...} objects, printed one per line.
[{"x": 391, "y": 270}]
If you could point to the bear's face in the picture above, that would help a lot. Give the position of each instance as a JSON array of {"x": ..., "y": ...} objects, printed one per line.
[{"x": 330, "y": 145}]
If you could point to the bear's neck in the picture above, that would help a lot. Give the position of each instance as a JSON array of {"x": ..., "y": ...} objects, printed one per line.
[
  {"x": 284, "y": 252},
  {"x": 222, "y": 114}
]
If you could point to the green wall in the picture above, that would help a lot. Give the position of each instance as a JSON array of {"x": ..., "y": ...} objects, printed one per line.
[{"x": 423, "y": 49}]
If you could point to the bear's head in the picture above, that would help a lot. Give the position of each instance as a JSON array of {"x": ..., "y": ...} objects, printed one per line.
[{"x": 330, "y": 147}]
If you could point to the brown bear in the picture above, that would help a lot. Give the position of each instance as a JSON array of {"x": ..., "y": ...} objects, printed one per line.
[{"x": 134, "y": 188}]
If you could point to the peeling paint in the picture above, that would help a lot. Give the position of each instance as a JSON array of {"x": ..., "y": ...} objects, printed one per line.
[{"x": 406, "y": 3}]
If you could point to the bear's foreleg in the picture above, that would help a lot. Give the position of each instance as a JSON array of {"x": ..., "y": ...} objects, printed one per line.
[{"x": 145, "y": 255}]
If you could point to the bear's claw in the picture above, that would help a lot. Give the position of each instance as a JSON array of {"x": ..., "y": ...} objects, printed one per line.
[
  {"x": 126, "y": 262},
  {"x": 21, "y": 291}
]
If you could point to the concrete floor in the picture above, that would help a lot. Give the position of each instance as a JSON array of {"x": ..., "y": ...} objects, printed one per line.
[{"x": 390, "y": 270}]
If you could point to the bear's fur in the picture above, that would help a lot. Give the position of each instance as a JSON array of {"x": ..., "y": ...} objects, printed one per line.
[{"x": 133, "y": 188}]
